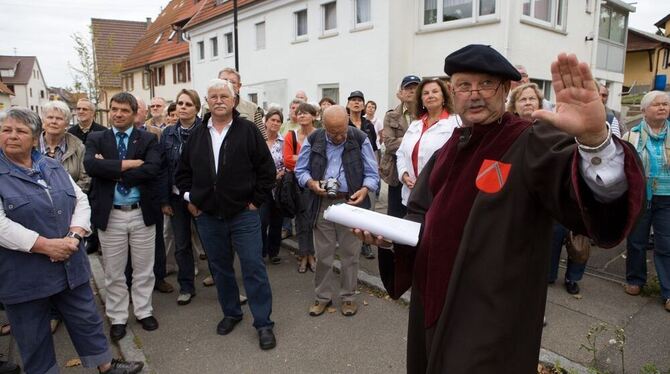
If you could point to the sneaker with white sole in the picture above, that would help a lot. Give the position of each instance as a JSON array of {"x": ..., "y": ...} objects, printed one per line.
[{"x": 184, "y": 298}]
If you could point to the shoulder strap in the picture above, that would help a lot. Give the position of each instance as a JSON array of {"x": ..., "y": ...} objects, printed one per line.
[{"x": 295, "y": 142}]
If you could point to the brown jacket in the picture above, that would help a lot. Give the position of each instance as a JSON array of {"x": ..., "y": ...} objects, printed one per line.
[
  {"x": 395, "y": 126},
  {"x": 491, "y": 319}
]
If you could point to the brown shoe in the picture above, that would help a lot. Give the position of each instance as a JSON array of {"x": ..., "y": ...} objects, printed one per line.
[
  {"x": 348, "y": 308},
  {"x": 163, "y": 287},
  {"x": 632, "y": 289},
  {"x": 318, "y": 308},
  {"x": 667, "y": 305}
]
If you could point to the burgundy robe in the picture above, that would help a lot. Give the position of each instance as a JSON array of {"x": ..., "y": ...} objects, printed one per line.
[{"x": 479, "y": 271}]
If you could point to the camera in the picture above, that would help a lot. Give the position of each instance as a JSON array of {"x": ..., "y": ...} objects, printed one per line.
[{"x": 330, "y": 185}]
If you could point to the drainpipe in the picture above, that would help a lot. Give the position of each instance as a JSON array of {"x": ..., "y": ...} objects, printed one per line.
[{"x": 151, "y": 81}]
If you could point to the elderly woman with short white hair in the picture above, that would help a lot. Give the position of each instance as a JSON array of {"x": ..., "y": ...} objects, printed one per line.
[
  {"x": 650, "y": 139},
  {"x": 55, "y": 142}
]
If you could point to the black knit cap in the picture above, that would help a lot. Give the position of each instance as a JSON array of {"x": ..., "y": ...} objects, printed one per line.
[{"x": 478, "y": 58}]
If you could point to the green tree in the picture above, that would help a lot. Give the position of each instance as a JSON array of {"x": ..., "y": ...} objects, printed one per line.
[{"x": 83, "y": 72}]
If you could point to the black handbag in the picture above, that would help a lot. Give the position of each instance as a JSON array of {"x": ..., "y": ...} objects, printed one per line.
[{"x": 288, "y": 191}]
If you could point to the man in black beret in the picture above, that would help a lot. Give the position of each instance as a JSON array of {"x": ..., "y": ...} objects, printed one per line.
[{"x": 487, "y": 202}]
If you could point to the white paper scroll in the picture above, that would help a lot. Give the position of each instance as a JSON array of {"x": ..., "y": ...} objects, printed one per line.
[{"x": 397, "y": 230}]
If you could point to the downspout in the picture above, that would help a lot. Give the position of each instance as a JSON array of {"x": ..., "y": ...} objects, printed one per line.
[{"x": 151, "y": 81}]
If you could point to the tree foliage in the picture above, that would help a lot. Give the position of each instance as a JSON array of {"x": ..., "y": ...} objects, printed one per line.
[{"x": 83, "y": 72}]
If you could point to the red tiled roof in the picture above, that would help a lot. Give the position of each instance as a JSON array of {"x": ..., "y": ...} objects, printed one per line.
[
  {"x": 22, "y": 64},
  {"x": 4, "y": 89},
  {"x": 113, "y": 40},
  {"x": 211, "y": 10},
  {"x": 147, "y": 51}
]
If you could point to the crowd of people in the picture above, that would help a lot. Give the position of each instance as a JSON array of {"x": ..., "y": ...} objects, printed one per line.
[{"x": 472, "y": 158}]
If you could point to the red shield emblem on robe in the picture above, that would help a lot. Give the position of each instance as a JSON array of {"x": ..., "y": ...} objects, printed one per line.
[{"x": 492, "y": 176}]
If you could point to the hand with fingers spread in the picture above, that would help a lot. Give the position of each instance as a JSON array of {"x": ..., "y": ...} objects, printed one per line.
[{"x": 579, "y": 109}]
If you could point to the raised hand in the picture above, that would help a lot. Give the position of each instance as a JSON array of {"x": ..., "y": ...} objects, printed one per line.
[{"x": 579, "y": 110}]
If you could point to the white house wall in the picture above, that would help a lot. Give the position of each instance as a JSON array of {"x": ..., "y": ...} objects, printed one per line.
[{"x": 355, "y": 60}]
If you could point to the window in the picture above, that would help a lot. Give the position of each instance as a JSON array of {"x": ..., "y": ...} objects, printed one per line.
[
  {"x": 42, "y": 94},
  {"x": 612, "y": 25},
  {"x": 260, "y": 35},
  {"x": 301, "y": 23},
  {"x": 158, "y": 38},
  {"x": 146, "y": 80},
  {"x": 330, "y": 90},
  {"x": 127, "y": 82},
  {"x": 158, "y": 74},
  {"x": 253, "y": 97},
  {"x": 201, "y": 50},
  {"x": 215, "y": 46},
  {"x": 445, "y": 11},
  {"x": 31, "y": 92},
  {"x": 329, "y": 16},
  {"x": 544, "y": 86},
  {"x": 230, "y": 46},
  {"x": 172, "y": 34},
  {"x": 181, "y": 72},
  {"x": 546, "y": 12},
  {"x": 362, "y": 11}
]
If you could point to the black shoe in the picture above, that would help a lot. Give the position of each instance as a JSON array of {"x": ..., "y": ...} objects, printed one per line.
[
  {"x": 275, "y": 260},
  {"x": 124, "y": 367},
  {"x": 9, "y": 368},
  {"x": 117, "y": 332},
  {"x": 366, "y": 251},
  {"x": 227, "y": 325},
  {"x": 571, "y": 287},
  {"x": 149, "y": 323},
  {"x": 266, "y": 339}
]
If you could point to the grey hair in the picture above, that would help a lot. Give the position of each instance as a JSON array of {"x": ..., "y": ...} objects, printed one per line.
[
  {"x": 230, "y": 71},
  {"x": 217, "y": 83},
  {"x": 89, "y": 103},
  {"x": 57, "y": 106},
  {"x": 650, "y": 96},
  {"x": 296, "y": 101},
  {"x": 25, "y": 116}
]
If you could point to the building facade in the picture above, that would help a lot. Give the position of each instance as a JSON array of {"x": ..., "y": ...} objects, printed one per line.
[
  {"x": 332, "y": 47},
  {"x": 23, "y": 76}
]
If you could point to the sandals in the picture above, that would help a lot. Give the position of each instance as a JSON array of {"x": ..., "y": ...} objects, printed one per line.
[
  {"x": 311, "y": 263},
  {"x": 5, "y": 329},
  {"x": 302, "y": 266}
]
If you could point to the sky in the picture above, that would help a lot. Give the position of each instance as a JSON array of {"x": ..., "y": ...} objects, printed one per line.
[{"x": 43, "y": 28}]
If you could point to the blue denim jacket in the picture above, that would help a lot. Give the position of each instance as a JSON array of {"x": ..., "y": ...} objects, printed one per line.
[
  {"x": 26, "y": 276},
  {"x": 171, "y": 146}
]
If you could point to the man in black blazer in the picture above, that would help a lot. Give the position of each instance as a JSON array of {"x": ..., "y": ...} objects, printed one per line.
[
  {"x": 225, "y": 172},
  {"x": 124, "y": 164}
]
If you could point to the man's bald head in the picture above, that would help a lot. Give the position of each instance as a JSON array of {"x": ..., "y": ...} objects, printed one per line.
[{"x": 336, "y": 122}]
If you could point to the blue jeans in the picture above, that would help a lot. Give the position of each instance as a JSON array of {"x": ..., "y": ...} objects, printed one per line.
[
  {"x": 183, "y": 252},
  {"x": 575, "y": 271},
  {"x": 271, "y": 224},
  {"x": 30, "y": 327},
  {"x": 241, "y": 233},
  {"x": 657, "y": 215}
]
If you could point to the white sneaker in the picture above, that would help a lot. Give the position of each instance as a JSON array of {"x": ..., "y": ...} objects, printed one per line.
[{"x": 184, "y": 298}]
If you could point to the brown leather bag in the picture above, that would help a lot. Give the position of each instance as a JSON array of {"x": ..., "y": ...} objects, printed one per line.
[{"x": 578, "y": 247}]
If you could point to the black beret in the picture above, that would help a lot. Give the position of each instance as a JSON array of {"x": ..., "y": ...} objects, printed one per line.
[{"x": 478, "y": 58}]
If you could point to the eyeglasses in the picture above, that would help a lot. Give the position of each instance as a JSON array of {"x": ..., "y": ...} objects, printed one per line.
[
  {"x": 184, "y": 103},
  {"x": 84, "y": 109},
  {"x": 486, "y": 89},
  {"x": 216, "y": 98}
]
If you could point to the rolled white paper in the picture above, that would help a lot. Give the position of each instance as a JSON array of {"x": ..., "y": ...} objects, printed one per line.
[{"x": 397, "y": 230}]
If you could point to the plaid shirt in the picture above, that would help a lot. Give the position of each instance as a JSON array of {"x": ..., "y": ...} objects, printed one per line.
[{"x": 56, "y": 153}]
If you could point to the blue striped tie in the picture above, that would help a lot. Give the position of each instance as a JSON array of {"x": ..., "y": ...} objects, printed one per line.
[{"x": 122, "y": 188}]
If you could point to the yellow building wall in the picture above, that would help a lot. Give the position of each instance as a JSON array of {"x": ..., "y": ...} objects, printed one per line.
[{"x": 637, "y": 68}]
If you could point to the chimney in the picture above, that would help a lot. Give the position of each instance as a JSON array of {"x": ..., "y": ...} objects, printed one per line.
[{"x": 148, "y": 22}]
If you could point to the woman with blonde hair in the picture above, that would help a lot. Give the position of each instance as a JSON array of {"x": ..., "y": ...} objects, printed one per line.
[{"x": 524, "y": 100}]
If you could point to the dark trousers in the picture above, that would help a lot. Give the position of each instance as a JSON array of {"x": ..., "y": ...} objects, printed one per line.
[
  {"x": 271, "y": 224},
  {"x": 575, "y": 271},
  {"x": 183, "y": 253},
  {"x": 221, "y": 238},
  {"x": 395, "y": 207},
  {"x": 31, "y": 328},
  {"x": 657, "y": 215}
]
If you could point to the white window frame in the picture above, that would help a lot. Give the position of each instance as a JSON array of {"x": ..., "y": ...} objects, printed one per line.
[
  {"x": 296, "y": 37},
  {"x": 158, "y": 39},
  {"x": 359, "y": 26},
  {"x": 326, "y": 86},
  {"x": 330, "y": 32},
  {"x": 200, "y": 50},
  {"x": 475, "y": 20},
  {"x": 256, "y": 27},
  {"x": 553, "y": 24},
  {"x": 172, "y": 34},
  {"x": 214, "y": 47},
  {"x": 229, "y": 44}
]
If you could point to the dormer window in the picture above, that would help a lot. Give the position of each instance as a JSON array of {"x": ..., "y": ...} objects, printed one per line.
[
  {"x": 158, "y": 39},
  {"x": 172, "y": 34}
]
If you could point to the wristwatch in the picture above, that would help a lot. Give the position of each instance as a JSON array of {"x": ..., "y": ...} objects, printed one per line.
[{"x": 74, "y": 235}]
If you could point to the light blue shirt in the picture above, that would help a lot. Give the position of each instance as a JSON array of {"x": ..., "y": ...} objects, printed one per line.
[
  {"x": 134, "y": 195},
  {"x": 334, "y": 168}
]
